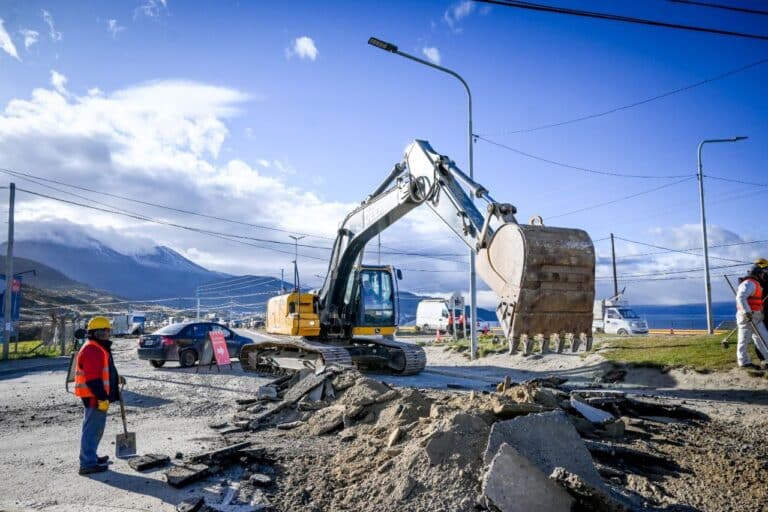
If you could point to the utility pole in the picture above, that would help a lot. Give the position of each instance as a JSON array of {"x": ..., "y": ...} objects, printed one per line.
[
  {"x": 8, "y": 320},
  {"x": 296, "y": 278},
  {"x": 707, "y": 283},
  {"x": 613, "y": 257},
  {"x": 197, "y": 293},
  {"x": 282, "y": 281}
]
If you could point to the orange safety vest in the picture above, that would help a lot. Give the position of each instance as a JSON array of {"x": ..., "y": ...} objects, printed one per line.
[
  {"x": 755, "y": 300},
  {"x": 81, "y": 388}
]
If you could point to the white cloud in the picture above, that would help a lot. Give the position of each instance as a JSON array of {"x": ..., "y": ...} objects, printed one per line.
[
  {"x": 160, "y": 142},
  {"x": 55, "y": 34},
  {"x": 431, "y": 53},
  {"x": 59, "y": 82},
  {"x": 151, "y": 8},
  {"x": 458, "y": 12},
  {"x": 114, "y": 28},
  {"x": 6, "y": 43},
  {"x": 30, "y": 37},
  {"x": 303, "y": 47}
]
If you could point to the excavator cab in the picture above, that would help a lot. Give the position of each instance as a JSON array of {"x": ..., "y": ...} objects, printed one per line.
[{"x": 375, "y": 302}]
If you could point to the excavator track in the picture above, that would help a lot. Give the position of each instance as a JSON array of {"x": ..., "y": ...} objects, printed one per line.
[{"x": 278, "y": 355}]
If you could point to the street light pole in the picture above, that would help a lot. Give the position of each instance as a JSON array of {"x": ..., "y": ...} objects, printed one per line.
[
  {"x": 296, "y": 277},
  {"x": 389, "y": 47},
  {"x": 700, "y": 176}
]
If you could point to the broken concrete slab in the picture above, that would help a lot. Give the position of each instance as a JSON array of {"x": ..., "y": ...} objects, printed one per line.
[
  {"x": 304, "y": 386},
  {"x": 593, "y": 414},
  {"x": 179, "y": 476},
  {"x": 548, "y": 440},
  {"x": 515, "y": 484},
  {"x": 214, "y": 456},
  {"x": 266, "y": 393},
  {"x": 586, "y": 496},
  {"x": 149, "y": 461},
  {"x": 327, "y": 420},
  {"x": 317, "y": 393},
  {"x": 246, "y": 401},
  {"x": 364, "y": 392},
  {"x": 506, "y": 411}
]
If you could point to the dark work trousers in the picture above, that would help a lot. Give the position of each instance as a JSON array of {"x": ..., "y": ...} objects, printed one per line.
[{"x": 94, "y": 422}]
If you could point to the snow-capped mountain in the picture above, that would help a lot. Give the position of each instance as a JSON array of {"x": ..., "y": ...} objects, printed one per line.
[{"x": 161, "y": 272}]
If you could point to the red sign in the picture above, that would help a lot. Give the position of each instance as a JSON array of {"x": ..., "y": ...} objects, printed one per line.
[{"x": 219, "y": 344}]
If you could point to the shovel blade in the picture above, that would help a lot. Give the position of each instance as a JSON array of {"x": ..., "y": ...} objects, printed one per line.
[{"x": 125, "y": 445}]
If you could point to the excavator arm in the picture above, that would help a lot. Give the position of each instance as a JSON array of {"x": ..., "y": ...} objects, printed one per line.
[{"x": 543, "y": 276}]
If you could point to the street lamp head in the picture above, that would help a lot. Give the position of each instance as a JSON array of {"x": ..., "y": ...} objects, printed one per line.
[
  {"x": 740, "y": 137},
  {"x": 378, "y": 43}
]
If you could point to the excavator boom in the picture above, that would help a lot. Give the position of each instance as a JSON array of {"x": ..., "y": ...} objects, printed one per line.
[{"x": 544, "y": 276}]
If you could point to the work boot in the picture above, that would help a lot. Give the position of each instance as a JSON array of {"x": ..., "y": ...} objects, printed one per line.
[
  {"x": 103, "y": 459},
  {"x": 749, "y": 366},
  {"x": 98, "y": 468}
]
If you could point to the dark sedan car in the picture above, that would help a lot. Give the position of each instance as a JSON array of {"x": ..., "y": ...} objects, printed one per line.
[{"x": 184, "y": 343}]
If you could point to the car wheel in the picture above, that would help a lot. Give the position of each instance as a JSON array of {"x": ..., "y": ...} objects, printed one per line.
[
  {"x": 187, "y": 358},
  {"x": 156, "y": 363},
  {"x": 622, "y": 332},
  {"x": 425, "y": 328}
]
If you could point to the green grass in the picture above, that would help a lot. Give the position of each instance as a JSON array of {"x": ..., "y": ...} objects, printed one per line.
[
  {"x": 30, "y": 349},
  {"x": 485, "y": 346},
  {"x": 700, "y": 353}
]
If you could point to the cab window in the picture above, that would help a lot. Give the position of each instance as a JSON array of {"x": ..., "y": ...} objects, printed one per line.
[{"x": 613, "y": 314}]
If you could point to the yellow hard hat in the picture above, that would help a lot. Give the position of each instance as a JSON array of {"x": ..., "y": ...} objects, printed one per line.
[
  {"x": 99, "y": 322},
  {"x": 761, "y": 262}
]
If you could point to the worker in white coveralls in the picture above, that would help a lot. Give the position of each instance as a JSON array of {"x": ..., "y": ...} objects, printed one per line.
[{"x": 749, "y": 309}]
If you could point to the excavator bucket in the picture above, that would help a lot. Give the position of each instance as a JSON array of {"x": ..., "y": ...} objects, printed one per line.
[{"x": 545, "y": 280}]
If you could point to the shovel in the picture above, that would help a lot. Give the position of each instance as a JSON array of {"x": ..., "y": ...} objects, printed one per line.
[{"x": 125, "y": 443}]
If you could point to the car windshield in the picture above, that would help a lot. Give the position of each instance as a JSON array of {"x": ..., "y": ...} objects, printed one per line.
[
  {"x": 628, "y": 313},
  {"x": 171, "y": 329}
]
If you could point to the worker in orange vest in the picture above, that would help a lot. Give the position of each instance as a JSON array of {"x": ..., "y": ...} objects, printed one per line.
[
  {"x": 749, "y": 310},
  {"x": 96, "y": 383}
]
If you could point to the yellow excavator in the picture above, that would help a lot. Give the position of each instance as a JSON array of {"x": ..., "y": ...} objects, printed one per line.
[{"x": 543, "y": 276}]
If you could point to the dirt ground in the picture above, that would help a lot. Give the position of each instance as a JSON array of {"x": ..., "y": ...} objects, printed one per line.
[{"x": 721, "y": 463}]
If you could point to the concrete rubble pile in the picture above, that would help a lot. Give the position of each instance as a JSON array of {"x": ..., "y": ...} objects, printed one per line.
[{"x": 339, "y": 440}]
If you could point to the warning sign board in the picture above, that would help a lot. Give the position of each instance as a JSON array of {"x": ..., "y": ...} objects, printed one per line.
[{"x": 220, "y": 351}]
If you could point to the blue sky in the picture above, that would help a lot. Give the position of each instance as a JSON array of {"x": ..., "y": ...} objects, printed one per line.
[{"x": 259, "y": 110}]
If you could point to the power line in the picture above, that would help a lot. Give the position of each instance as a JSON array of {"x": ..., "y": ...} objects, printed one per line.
[
  {"x": 616, "y": 17},
  {"x": 681, "y": 251},
  {"x": 237, "y": 287},
  {"x": 637, "y": 103},
  {"x": 576, "y": 167},
  {"x": 606, "y": 203},
  {"x": 733, "y": 180},
  {"x": 228, "y": 282},
  {"x": 670, "y": 272},
  {"x": 25, "y": 175},
  {"x": 720, "y": 6},
  {"x": 140, "y": 216}
]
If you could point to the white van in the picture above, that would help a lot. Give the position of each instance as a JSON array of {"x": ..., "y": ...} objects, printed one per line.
[{"x": 432, "y": 314}]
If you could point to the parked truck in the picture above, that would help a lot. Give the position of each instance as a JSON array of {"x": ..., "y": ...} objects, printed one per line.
[
  {"x": 128, "y": 324},
  {"x": 614, "y": 316}
]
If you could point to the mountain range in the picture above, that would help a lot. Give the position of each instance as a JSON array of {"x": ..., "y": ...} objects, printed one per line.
[{"x": 158, "y": 273}]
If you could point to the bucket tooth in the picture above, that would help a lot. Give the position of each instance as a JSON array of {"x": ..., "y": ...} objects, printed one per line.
[
  {"x": 559, "y": 342},
  {"x": 571, "y": 341},
  {"x": 544, "y": 344},
  {"x": 588, "y": 345},
  {"x": 514, "y": 345},
  {"x": 527, "y": 344}
]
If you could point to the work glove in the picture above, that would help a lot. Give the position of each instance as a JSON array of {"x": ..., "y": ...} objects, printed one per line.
[
  {"x": 102, "y": 405},
  {"x": 748, "y": 316},
  {"x": 122, "y": 380}
]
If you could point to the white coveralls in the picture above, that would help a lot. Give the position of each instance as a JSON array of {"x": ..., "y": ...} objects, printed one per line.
[{"x": 743, "y": 292}]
